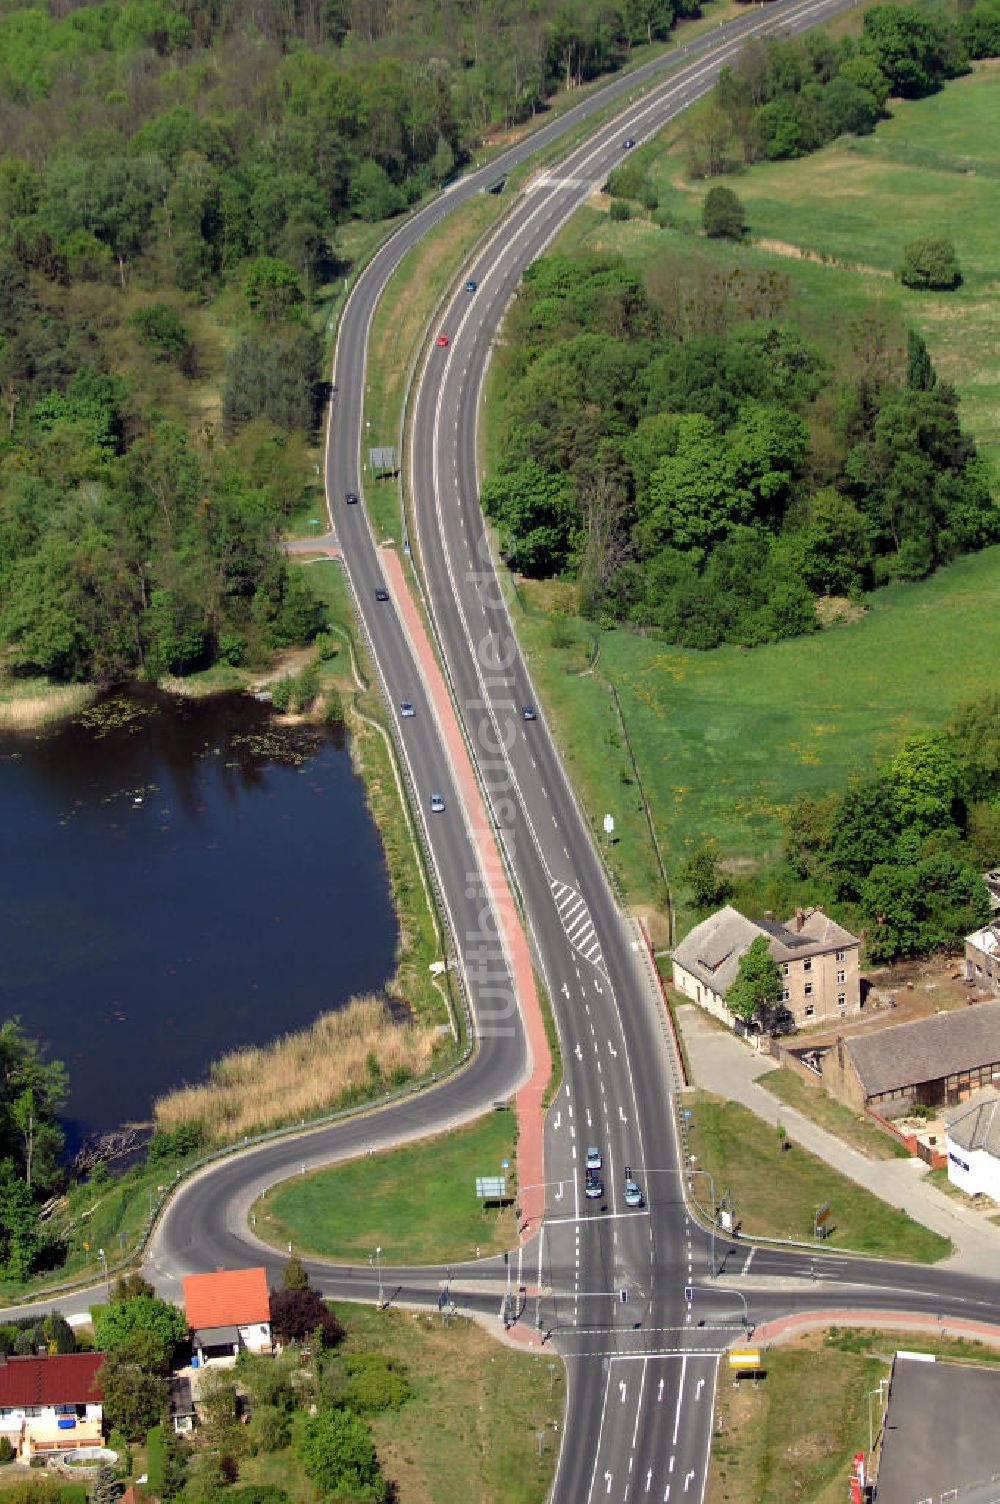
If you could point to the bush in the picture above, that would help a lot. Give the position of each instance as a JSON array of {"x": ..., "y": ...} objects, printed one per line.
[
  {"x": 620, "y": 209},
  {"x": 269, "y": 1430},
  {"x": 374, "y": 1383},
  {"x": 723, "y": 217},
  {"x": 6, "y": 1450},
  {"x": 930, "y": 263}
]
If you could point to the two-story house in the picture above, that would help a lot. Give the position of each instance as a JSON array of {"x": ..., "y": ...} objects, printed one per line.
[{"x": 817, "y": 957}]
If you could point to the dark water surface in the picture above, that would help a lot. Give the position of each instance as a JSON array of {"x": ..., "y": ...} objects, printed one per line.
[{"x": 191, "y": 881}]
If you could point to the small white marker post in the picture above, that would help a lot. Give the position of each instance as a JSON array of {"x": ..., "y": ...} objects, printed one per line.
[{"x": 609, "y": 828}]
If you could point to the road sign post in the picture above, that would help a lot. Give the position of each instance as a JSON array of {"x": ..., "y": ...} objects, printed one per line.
[{"x": 609, "y": 828}]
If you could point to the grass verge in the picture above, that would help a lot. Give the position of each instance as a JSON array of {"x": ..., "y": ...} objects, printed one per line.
[
  {"x": 777, "y": 1193},
  {"x": 470, "y": 1430},
  {"x": 813, "y": 1102},
  {"x": 793, "y": 1435},
  {"x": 417, "y": 1203}
]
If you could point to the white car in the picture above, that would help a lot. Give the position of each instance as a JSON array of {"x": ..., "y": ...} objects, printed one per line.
[
  {"x": 594, "y": 1160},
  {"x": 437, "y": 804},
  {"x": 406, "y": 709},
  {"x": 633, "y": 1193}
]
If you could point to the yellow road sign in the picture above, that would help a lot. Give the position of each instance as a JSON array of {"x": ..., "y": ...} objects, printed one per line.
[{"x": 744, "y": 1357}]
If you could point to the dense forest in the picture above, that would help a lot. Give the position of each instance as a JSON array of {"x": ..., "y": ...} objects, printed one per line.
[
  {"x": 699, "y": 468},
  {"x": 174, "y": 175}
]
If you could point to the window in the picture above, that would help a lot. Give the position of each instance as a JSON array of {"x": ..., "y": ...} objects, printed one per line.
[
  {"x": 841, "y": 977},
  {"x": 785, "y": 994},
  {"x": 808, "y": 989},
  {"x": 807, "y": 966},
  {"x": 956, "y": 1161},
  {"x": 841, "y": 999},
  {"x": 810, "y": 1010},
  {"x": 784, "y": 969},
  {"x": 840, "y": 955}
]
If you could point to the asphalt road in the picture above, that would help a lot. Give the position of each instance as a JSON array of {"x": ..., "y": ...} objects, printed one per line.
[{"x": 642, "y": 1367}]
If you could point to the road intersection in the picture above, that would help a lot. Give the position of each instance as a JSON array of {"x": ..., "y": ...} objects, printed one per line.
[{"x": 628, "y": 1296}]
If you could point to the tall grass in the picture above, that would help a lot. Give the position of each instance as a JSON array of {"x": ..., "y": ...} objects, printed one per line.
[
  {"x": 301, "y": 1075},
  {"x": 34, "y": 704}
]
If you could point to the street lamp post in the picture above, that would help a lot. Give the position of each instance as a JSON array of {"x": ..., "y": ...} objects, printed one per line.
[
  {"x": 691, "y": 1171},
  {"x": 378, "y": 1265},
  {"x": 871, "y": 1437},
  {"x": 104, "y": 1263}
]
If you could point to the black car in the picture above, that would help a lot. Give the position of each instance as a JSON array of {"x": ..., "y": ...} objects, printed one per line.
[
  {"x": 381, "y": 594},
  {"x": 628, "y": 143},
  {"x": 351, "y": 497},
  {"x": 470, "y": 286},
  {"x": 528, "y": 713},
  {"x": 593, "y": 1186}
]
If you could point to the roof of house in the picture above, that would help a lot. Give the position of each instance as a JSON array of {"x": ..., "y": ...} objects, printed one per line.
[
  {"x": 712, "y": 950},
  {"x": 987, "y": 939},
  {"x": 228, "y": 1297},
  {"x": 976, "y": 1123},
  {"x": 60, "y": 1379},
  {"x": 926, "y": 1049}
]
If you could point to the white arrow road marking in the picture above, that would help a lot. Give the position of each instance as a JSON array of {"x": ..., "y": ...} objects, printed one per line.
[
  {"x": 621, "y": 1114},
  {"x": 700, "y": 1387},
  {"x": 688, "y": 1479},
  {"x": 589, "y": 1123},
  {"x": 659, "y": 1392},
  {"x": 559, "y": 1192},
  {"x": 649, "y": 1479},
  {"x": 622, "y": 1389},
  {"x": 598, "y": 987},
  {"x": 614, "y": 1052},
  {"x": 607, "y": 1479},
  {"x": 579, "y": 1053},
  {"x": 558, "y": 1120}
]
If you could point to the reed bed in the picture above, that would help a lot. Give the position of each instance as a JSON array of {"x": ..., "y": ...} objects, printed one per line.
[
  {"x": 341, "y": 1058},
  {"x": 30, "y": 707}
]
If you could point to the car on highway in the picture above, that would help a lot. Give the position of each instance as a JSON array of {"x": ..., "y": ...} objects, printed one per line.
[
  {"x": 406, "y": 709},
  {"x": 381, "y": 594},
  {"x": 437, "y": 804},
  {"x": 594, "y": 1160},
  {"x": 351, "y": 497},
  {"x": 593, "y": 1186},
  {"x": 628, "y": 143},
  {"x": 632, "y": 1192},
  {"x": 471, "y": 285},
  {"x": 528, "y": 713},
  {"x": 442, "y": 339}
]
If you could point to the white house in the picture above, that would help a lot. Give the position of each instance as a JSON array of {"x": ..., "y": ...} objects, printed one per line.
[
  {"x": 227, "y": 1311},
  {"x": 51, "y": 1403},
  {"x": 973, "y": 1144}
]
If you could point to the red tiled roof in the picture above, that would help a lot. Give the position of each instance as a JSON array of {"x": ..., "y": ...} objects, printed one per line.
[
  {"x": 229, "y": 1297},
  {"x": 62, "y": 1379}
]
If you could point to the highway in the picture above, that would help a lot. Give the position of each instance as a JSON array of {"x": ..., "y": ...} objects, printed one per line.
[{"x": 626, "y": 1295}]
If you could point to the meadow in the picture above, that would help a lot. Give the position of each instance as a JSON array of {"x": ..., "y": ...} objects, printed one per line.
[{"x": 718, "y": 743}]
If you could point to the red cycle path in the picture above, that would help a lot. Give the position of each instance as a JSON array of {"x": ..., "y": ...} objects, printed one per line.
[{"x": 530, "y": 1113}]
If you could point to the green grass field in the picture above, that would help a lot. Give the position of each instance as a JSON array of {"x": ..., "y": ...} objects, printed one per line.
[
  {"x": 776, "y": 1194},
  {"x": 417, "y": 1203},
  {"x": 469, "y": 1433},
  {"x": 815, "y": 1103}
]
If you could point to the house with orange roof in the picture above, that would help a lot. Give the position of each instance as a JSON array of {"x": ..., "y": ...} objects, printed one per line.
[{"x": 228, "y": 1311}]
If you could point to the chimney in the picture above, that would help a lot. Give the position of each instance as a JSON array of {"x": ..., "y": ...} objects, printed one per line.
[{"x": 799, "y": 920}]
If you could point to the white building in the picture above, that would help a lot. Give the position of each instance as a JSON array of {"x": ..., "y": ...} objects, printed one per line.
[
  {"x": 973, "y": 1144},
  {"x": 50, "y": 1404}
]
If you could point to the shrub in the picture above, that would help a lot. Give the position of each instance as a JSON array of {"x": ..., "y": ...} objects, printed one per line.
[
  {"x": 6, "y": 1450},
  {"x": 723, "y": 216},
  {"x": 374, "y": 1383},
  {"x": 620, "y": 209},
  {"x": 930, "y": 263},
  {"x": 270, "y": 1429}
]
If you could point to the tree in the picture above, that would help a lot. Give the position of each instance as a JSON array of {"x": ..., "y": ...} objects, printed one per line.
[
  {"x": 930, "y": 263},
  {"x": 297, "y": 1314},
  {"x": 294, "y": 1276},
  {"x": 701, "y": 870},
  {"x": 107, "y": 1487},
  {"x": 133, "y": 1399},
  {"x": 723, "y": 216},
  {"x": 920, "y": 373},
  {"x": 755, "y": 992},
  {"x": 913, "y": 908},
  {"x": 273, "y": 289},
  {"x": 912, "y": 49},
  {"x": 973, "y": 732},
  {"x": 32, "y": 1090},
  {"x": 146, "y": 1316},
  {"x": 335, "y": 1448},
  {"x": 925, "y": 780}
]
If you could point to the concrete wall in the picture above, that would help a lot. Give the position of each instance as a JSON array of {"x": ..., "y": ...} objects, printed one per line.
[{"x": 973, "y": 1170}]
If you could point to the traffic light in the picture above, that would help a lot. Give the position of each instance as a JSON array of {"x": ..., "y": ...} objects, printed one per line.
[
  {"x": 623, "y": 1296},
  {"x": 688, "y": 1292}
]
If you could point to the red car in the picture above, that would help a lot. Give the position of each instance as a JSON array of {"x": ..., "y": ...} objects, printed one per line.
[{"x": 442, "y": 338}]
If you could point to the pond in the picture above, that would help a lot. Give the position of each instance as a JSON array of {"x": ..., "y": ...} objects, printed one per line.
[{"x": 180, "y": 877}]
